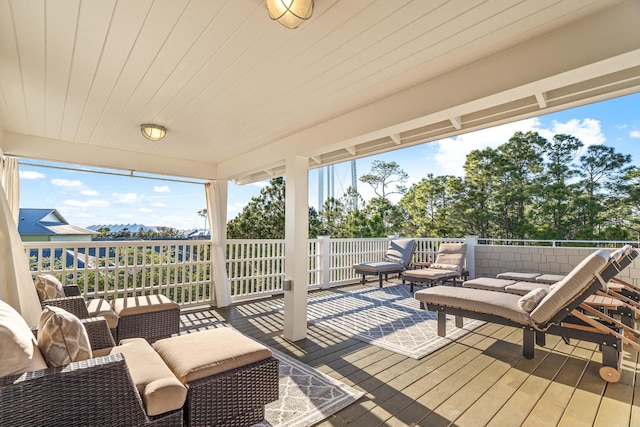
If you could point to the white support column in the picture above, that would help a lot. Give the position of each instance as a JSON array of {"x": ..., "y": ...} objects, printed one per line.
[
  {"x": 470, "y": 260},
  {"x": 325, "y": 261},
  {"x": 296, "y": 250}
]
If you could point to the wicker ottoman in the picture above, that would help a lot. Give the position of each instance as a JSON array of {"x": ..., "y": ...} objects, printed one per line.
[
  {"x": 229, "y": 376},
  {"x": 151, "y": 317}
]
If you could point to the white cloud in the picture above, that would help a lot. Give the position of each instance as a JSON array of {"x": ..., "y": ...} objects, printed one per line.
[
  {"x": 235, "y": 208},
  {"x": 75, "y": 185},
  {"x": 67, "y": 183},
  {"x": 86, "y": 203},
  {"x": 162, "y": 189},
  {"x": 126, "y": 197},
  {"x": 634, "y": 134},
  {"x": 159, "y": 205},
  {"x": 452, "y": 151},
  {"x": 125, "y": 216},
  {"x": 260, "y": 184},
  {"x": 31, "y": 175},
  {"x": 145, "y": 210}
]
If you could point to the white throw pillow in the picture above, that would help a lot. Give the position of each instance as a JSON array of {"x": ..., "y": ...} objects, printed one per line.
[{"x": 531, "y": 300}]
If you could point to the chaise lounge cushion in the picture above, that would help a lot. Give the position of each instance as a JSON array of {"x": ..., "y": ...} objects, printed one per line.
[
  {"x": 62, "y": 338},
  {"x": 496, "y": 303},
  {"x": 160, "y": 390},
  {"x": 48, "y": 287},
  {"x": 218, "y": 350},
  {"x": 19, "y": 351},
  {"x": 568, "y": 289}
]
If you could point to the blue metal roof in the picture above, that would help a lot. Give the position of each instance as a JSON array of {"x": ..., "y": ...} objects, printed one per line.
[{"x": 30, "y": 221}]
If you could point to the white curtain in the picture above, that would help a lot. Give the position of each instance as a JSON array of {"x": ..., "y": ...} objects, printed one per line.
[
  {"x": 217, "y": 225},
  {"x": 10, "y": 177},
  {"x": 16, "y": 284}
]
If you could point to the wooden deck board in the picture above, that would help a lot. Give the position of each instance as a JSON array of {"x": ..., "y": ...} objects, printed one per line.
[{"x": 478, "y": 380}]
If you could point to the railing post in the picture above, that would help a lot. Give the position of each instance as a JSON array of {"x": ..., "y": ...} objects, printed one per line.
[
  {"x": 325, "y": 261},
  {"x": 471, "y": 242}
]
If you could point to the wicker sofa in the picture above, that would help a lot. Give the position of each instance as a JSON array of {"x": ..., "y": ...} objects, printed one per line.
[{"x": 125, "y": 385}]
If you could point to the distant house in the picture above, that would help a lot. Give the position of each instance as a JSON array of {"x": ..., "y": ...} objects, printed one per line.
[
  {"x": 122, "y": 228},
  {"x": 48, "y": 225},
  {"x": 198, "y": 234}
]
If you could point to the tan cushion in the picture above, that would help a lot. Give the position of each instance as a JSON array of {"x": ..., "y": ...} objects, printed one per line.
[
  {"x": 570, "y": 287},
  {"x": 429, "y": 274},
  {"x": 452, "y": 253},
  {"x": 145, "y": 304},
  {"x": 48, "y": 287},
  {"x": 526, "y": 277},
  {"x": 488, "y": 283},
  {"x": 205, "y": 353},
  {"x": 160, "y": 390},
  {"x": 452, "y": 267},
  {"x": 532, "y": 299},
  {"x": 378, "y": 267},
  {"x": 475, "y": 300},
  {"x": 523, "y": 288},
  {"x": 98, "y": 307},
  {"x": 62, "y": 338},
  {"x": 19, "y": 351},
  {"x": 549, "y": 279}
]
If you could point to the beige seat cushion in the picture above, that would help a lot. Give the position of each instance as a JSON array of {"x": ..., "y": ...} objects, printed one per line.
[
  {"x": 160, "y": 390},
  {"x": 429, "y": 274},
  {"x": 476, "y": 300},
  {"x": 98, "y": 307},
  {"x": 19, "y": 351},
  {"x": 145, "y": 304},
  {"x": 511, "y": 275},
  {"x": 205, "y": 353},
  {"x": 523, "y": 288},
  {"x": 62, "y": 338},
  {"x": 565, "y": 291},
  {"x": 48, "y": 287},
  {"x": 378, "y": 267},
  {"x": 549, "y": 279},
  {"x": 488, "y": 283}
]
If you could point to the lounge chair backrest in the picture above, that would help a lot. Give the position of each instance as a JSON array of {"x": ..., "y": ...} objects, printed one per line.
[
  {"x": 400, "y": 251},
  {"x": 452, "y": 253},
  {"x": 566, "y": 290},
  {"x": 618, "y": 254}
]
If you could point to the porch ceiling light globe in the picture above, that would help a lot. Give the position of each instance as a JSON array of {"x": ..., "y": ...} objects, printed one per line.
[
  {"x": 290, "y": 13},
  {"x": 153, "y": 132}
]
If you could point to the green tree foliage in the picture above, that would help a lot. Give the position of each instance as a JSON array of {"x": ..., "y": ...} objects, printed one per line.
[
  {"x": 383, "y": 175},
  {"x": 528, "y": 187}
]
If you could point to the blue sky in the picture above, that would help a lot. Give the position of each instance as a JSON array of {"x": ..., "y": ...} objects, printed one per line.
[{"x": 88, "y": 198}]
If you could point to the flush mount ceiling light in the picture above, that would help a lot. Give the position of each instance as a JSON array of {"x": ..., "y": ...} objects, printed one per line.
[
  {"x": 153, "y": 132},
  {"x": 290, "y": 13}
]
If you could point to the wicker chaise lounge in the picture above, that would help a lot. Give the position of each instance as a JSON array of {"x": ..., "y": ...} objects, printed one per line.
[
  {"x": 539, "y": 313},
  {"x": 396, "y": 260},
  {"x": 131, "y": 384}
]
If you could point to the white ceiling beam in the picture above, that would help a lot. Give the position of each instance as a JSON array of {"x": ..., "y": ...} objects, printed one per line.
[
  {"x": 317, "y": 160},
  {"x": 541, "y": 97},
  {"x": 396, "y": 138},
  {"x": 40, "y": 148},
  {"x": 351, "y": 149},
  {"x": 456, "y": 122}
]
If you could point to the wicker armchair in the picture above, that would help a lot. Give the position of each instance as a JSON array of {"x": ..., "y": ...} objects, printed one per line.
[{"x": 94, "y": 392}]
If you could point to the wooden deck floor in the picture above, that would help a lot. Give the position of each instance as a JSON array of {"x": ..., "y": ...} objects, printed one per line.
[{"x": 481, "y": 379}]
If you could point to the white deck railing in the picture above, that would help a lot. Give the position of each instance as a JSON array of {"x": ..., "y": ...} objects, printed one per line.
[{"x": 182, "y": 270}]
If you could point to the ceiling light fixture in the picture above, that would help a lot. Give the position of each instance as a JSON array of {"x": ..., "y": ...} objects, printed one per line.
[
  {"x": 290, "y": 13},
  {"x": 153, "y": 132}
]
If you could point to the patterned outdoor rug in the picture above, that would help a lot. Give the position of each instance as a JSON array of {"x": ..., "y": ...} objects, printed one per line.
[
  {"x": 387, "y": 317},
  {"x": 307, "y": 396}
]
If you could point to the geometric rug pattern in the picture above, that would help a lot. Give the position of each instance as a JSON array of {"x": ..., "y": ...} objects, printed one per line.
[
  {"x": 307, "y": 396},
  {"x": 387, "y": 317}
]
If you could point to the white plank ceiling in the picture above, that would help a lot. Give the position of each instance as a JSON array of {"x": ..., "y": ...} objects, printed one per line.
[{"x": 239, "y": 93}]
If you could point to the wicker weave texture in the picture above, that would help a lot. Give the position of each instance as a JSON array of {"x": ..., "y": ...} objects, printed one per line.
[
  {"x": 95, "y": 392},
  {"x": 150, "y": 326},
  {"x": 233, "y": 398}
]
